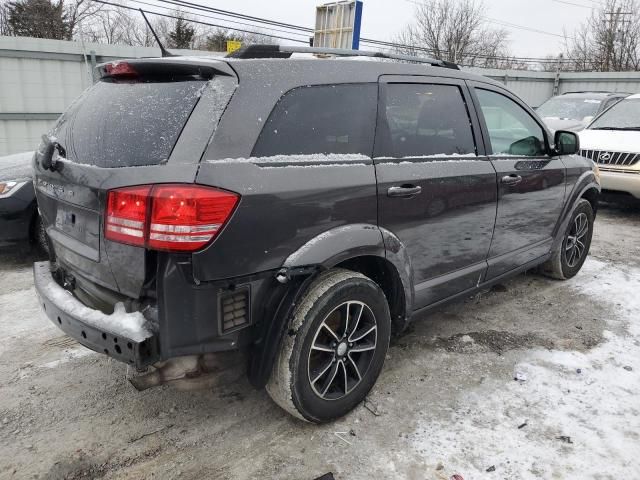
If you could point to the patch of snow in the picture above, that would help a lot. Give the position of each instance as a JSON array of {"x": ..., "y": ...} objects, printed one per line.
[
  {"x": 16, "y": 166},
  {"x": 436, "y": 155},
  {"x": 576, "y": 416},
  {"x": 68, "y": 356},
  {"x": 284, "y": 159},
  {"x": 130, "y": 325}
]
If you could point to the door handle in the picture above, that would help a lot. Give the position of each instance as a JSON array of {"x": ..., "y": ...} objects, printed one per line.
[
  {"x": 511, "y": 179},
  {"x": 404, "y": 191}
]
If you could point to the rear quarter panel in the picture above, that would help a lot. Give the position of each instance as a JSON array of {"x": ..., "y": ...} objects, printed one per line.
[{"x": 285, "y": 203}]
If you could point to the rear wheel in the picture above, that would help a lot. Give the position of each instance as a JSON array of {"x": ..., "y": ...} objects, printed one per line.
[
  {"x": 337, "y": 342},
  {"x": 567, "y": 261}
]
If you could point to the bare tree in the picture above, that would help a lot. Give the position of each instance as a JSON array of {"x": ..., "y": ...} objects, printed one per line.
[
  {"x": 78, "y": 11},
  {"x": 456, "y": 32},
  {"x": 609, "y": 40},
  {"x": 5, "y": 28}
]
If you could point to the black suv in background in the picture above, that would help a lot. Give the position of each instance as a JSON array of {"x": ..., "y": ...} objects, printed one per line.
[{"x": 297, "y": 210}]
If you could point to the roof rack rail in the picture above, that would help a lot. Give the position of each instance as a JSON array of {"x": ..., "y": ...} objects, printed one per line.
[{"x": 283, "y": 51}]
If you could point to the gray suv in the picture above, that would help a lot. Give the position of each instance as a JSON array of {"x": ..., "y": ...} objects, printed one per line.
[{"x": 298, "y": 211}]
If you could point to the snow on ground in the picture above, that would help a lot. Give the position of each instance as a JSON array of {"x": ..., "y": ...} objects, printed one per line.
[{"x": 575, "y": 416}]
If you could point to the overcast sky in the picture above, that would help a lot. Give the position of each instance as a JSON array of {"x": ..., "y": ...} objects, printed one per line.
[{"x": 381, "y": 19}]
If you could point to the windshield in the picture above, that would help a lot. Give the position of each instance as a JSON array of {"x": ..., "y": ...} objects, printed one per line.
[
  {"x": 126, "y": 124},
  {"x": 623, "y": 115},
  {"x": 569, "y": 107}
]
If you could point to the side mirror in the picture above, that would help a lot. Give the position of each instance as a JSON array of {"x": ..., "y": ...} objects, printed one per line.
[{"x": 566, "y": 143}]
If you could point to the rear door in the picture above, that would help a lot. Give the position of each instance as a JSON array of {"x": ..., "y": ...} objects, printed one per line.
[
  {"x": 149, "y": 125},
  {"x": 531, "y": 183},
  {"x": 436, "y": 189}
]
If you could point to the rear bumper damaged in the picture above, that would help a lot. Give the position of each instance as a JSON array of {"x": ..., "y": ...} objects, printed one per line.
[{"x": 123, "y": 336}]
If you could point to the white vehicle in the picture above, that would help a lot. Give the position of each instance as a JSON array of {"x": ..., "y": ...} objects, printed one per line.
[
  {"x": 612, "y": 140},
  {"x": 575, "y": 110}
]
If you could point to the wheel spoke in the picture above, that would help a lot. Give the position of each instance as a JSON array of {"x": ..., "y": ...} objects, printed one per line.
[
  {"x": 333, "y": 334},
  {"x": 583, "y": 231},
  {"x": 346, "y": 320},
  {"x": 355, "y": 367},
  {"x": 324, "y": 370},
  {"x": 321, "y": 348},
  {"x": 363, "y": 348},
  {"x": 357, "y": 322},
  {"x": 570, "y": 242},
  {"x": 330, "y": 379},
  {"x": 346, "y": 377},
  {"x": 361, "y": 336}
]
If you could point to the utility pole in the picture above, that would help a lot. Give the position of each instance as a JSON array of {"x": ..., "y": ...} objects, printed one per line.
[{"x": 556, "y": 81}]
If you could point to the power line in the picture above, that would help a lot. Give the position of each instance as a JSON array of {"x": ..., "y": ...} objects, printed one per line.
[
  {"x": 196, "y": 6},
  {"x": 575, "y": 4},
  {"x": 229, "y": 21},
  {"x": 175, "y": 17},
  {"x": 377, "y": 43},
  {"x": 236, "y": 15}
]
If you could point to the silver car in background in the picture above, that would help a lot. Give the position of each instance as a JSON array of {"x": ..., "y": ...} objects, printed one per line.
[{"x": 574, "y": 110}]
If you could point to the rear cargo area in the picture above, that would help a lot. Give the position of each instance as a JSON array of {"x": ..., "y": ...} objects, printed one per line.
[{"x": 123, "y": 131}]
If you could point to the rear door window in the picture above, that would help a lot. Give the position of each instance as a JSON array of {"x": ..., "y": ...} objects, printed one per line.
[
  {"x": 124, "y": 124},
  {"x": 512, "y": 131},
  {"x": 328, "y": 119},
  {"x": 424, "y": 120}
]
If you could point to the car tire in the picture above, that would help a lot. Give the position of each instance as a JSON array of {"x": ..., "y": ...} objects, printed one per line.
[
  {"x": 40, "y": 238},
  {"x": 335, "y": 347},
  {"x": 567, "y": 261}
]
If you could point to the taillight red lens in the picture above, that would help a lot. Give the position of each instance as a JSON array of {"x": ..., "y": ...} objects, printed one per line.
[
  {"x": 174, "y": 217},
  {"x": 187, "y": 217},
  {"x": 127, "y": 214}
]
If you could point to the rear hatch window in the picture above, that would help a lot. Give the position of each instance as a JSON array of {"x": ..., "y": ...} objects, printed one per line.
[{"x": 127, "y": 123}]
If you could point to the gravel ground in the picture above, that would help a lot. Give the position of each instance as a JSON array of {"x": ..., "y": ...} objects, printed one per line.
[{"x": 446, "y": 402}]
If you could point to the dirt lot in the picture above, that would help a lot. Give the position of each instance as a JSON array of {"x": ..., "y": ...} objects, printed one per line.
[{"x": 446, "y": 402}]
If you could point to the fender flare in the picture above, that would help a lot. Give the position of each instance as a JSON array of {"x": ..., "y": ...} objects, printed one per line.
[
  {"x": 585, "y": 182},
  {"x": 349, "y": 241},
  {"x": 324, "y": 251},
  {"x": 336, "y": 245}
]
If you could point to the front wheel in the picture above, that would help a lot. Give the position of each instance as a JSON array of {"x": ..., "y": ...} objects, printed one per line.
[
  {"x": 335, "y": 348},
  {"x": 567, "y": 261}
]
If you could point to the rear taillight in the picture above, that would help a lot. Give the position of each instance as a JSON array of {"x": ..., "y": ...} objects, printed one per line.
[
  {"x": 127, "y": 214},
  {"x": 173, "y": 217}
]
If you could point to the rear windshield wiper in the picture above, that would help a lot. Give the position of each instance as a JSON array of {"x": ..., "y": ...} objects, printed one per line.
[{"x": 616, "y": 128}]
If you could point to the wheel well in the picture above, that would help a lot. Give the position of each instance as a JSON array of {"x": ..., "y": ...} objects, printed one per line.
[
  {"x": 33, "y": 222},
  {"x": 386, "y": 276},
  {"x": 591, "y": 196}
]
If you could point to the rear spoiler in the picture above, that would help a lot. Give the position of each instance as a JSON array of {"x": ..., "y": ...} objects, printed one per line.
[{"x": 165, "y": 68}]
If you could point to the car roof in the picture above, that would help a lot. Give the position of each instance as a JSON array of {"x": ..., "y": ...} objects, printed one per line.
[
  {"x": 635, "y": 96},
  {"x": 345, "y": 70}
]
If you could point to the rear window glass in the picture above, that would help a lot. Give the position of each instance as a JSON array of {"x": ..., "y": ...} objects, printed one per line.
[
  {"x": 423, "y": 120},
  {"x": 126, "y": 124},
  {"x": 321, "y": 119}
]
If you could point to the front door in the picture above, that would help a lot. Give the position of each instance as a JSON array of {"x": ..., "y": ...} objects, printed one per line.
[
  {"x": 531, "y": 183},
  {"x": 436, "y": 189}
]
